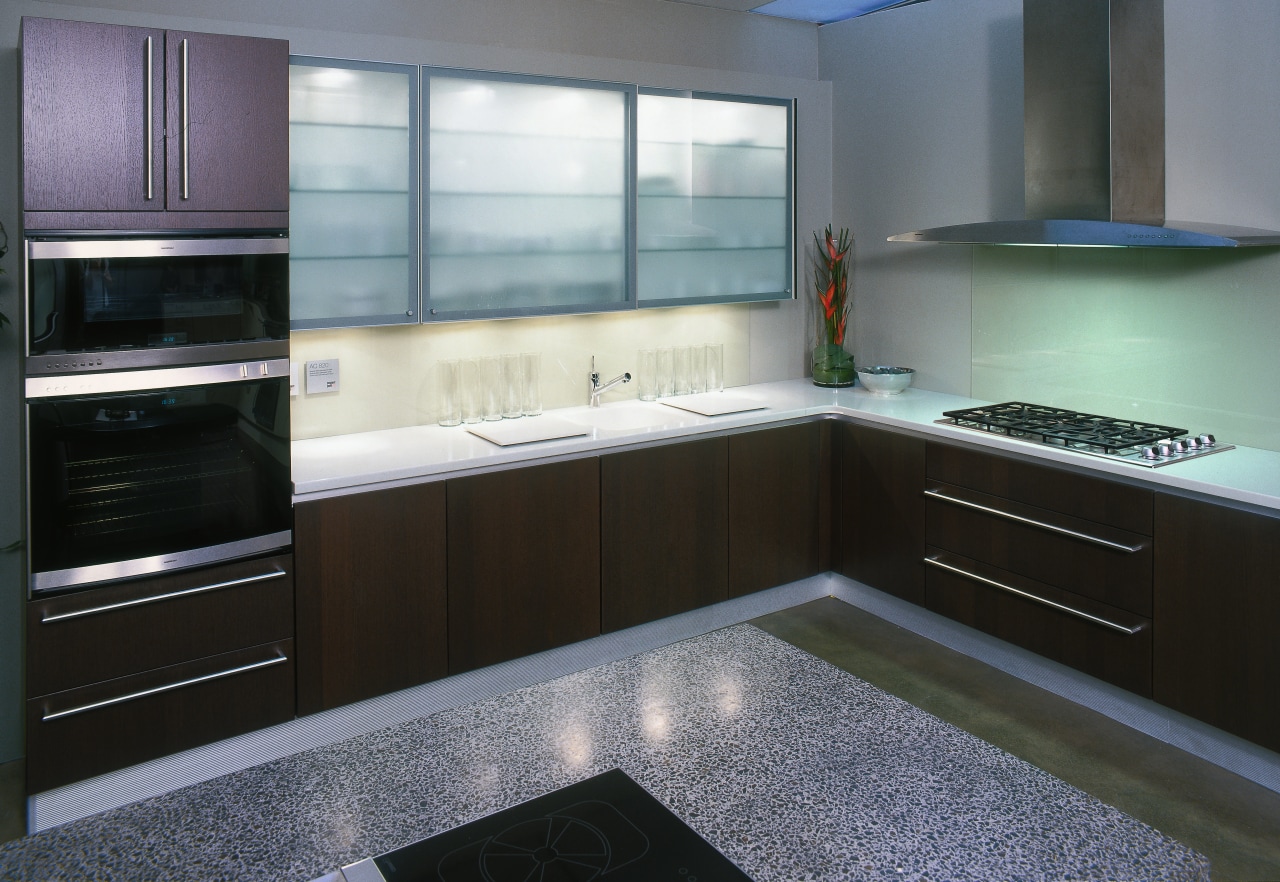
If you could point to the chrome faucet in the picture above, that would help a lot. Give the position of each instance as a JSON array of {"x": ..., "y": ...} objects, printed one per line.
[{"x": 597, "y": 390}]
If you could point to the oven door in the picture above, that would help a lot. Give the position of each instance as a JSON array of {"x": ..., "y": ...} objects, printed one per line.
[
  {"x": 140, "y": 472},
  {"x": 123, "y": 304}
]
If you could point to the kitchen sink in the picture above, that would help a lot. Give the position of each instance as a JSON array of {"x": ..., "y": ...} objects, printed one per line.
[{"x": 624, "y": 416}]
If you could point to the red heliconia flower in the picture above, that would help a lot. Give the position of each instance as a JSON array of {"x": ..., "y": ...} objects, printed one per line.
[{"x": 831, "y": 282}]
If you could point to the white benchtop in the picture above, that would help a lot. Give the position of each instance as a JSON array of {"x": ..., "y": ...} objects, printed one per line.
[{"x": 391, "y": 457}]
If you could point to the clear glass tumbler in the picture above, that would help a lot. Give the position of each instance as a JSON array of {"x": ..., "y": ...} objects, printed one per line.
[
  {"x": 666, "y": 372},
  {"x": 450, "y": 394},
  {"x": 491, "y": 386},
  {"x": 532, "y": 362},
  {"x": 512, "y": 387},
  {"x": 715, "y": 367},
  {"x": 681, "y": 371},
  {"x": 472, "y": 391},
  {"x": 647, "y": 368},
  {"x": 697, "y": 369}
]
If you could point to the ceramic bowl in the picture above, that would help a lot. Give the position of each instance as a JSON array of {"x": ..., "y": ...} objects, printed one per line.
[{"x": 883, "y": 380}]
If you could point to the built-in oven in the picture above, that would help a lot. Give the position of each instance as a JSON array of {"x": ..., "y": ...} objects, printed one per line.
[
  {"x": 137, "y": 472},
  {"x": 109, "y": 304}
]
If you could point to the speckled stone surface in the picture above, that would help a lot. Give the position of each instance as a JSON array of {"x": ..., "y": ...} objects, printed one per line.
[{"x": 794, "y": 769}]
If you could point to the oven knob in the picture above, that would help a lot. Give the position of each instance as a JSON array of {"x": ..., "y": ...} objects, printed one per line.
[
  {"x": 1178, "y": 445},
  {"x": 1165, "y": 448},
  {"x": 1150, "y": 453},
  {"x": 1192, "y": 442},
  {"x": 1207, "y": 441}
]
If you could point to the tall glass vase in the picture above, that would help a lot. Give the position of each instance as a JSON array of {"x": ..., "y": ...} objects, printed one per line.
[{"x": 832, "y": 366}]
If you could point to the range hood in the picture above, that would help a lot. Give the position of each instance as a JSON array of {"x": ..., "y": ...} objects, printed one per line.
[{"x": 1093, "y": 131}]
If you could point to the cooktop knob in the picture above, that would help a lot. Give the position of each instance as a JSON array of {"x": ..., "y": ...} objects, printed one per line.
[
  {"x": 1150, "y": 453},
  {"x": 1165, "y": 448},
  {"x": 1192, "y": 442},
  {"x": 1207, "y": 441},
  {"x": 1177, "y": 445}
]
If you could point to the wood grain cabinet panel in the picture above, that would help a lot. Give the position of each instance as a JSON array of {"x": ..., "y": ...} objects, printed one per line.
[
  {"x": 371, "y": 594},
  {"x": 779, "y": 506},
  {"x": 140, "y": 128},
  {"x": 664, "y": 525},
  {"x": 883, "y": 519},
  {"x": 524, "y": 561},
  {"x": 1217, "y": 605}
]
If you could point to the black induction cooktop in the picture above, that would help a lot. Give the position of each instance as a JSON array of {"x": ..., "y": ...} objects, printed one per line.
[{"x": 607, "y": 827}]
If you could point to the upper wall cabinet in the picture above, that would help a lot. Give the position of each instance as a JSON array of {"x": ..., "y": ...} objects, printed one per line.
[
  {"x": 714, "y": 199},
  {"x": 135, "y": 128},
  {"x": 353, "y": 181},
  {"x": 528, "y": 195}
]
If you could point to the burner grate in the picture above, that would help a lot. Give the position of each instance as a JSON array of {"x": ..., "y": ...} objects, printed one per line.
[{"x": 1065, "y": 428}]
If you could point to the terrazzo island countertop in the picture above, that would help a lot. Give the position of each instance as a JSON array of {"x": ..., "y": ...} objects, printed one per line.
[{"x": 372, "y": 460}]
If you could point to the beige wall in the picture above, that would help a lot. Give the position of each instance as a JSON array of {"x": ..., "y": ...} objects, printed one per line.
[{"x": 648, "y": 42}]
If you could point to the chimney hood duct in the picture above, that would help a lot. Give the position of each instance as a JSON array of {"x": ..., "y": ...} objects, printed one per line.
[{"x": 1093, "y": 131}]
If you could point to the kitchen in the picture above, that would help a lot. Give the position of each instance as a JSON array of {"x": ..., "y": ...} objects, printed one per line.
[{"x": 923, "y": 306}]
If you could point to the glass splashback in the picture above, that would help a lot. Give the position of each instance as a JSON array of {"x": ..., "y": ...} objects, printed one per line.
[
  {"x": 527, "y": 195},
  {"x": 1179, "y": 337},
  {"x": 713, "y": 210}
]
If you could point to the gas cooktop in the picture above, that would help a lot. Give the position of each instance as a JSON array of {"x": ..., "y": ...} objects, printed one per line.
[
  {"x": 607, "y": 827},
  {"x": 1144, "y": 444}
]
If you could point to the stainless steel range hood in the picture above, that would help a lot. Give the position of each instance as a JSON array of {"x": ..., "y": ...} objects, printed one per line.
[{"x": 1094, "y": 140}]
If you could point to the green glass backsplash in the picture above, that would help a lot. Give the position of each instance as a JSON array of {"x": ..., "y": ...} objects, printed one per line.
[{"x": 1181, "y": 337}]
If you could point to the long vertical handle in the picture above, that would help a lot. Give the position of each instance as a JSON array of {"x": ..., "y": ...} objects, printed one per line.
[
  {"x": 186, "y": 119},
  {"x": 148, "y": 91}
]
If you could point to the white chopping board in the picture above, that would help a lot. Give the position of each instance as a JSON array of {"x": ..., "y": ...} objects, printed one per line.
[
  {"x": 714, "y": 403},
  {"x": 526, "y": 430}
]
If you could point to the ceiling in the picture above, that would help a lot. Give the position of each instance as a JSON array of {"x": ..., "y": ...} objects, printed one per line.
[{"x": 817, "y": 11}]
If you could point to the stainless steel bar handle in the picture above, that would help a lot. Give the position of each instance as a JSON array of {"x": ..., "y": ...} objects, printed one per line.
[
  {"x": 156, "y": 598},
  {"x": 168, "y": 687},
  {"x": 1079, "y": 613},
  {"x": 149, "y": 127},
  {"x": 186, "y": 119},
  {"x": 1062, "y": 531}
]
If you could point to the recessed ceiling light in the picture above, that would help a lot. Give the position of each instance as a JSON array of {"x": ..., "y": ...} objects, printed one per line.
[{"x": 827, "y": 11}]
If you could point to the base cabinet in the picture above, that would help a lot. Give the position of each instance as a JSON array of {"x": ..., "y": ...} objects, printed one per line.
[
  {"x": 524, "y": 561},
  {"x": 1216, "y": 607},
  {"x": 664, "y": 531},
  {"x": 371, "y": 594},
  {"x": 136, "y": 670},
  {"x": 780, "y": 506},
  {"x": 882, "y": 522}
]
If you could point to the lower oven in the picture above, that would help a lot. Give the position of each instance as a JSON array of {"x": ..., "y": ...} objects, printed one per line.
[{"x": 137, "y": 472}]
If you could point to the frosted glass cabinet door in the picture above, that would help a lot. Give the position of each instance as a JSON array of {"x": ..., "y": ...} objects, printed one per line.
[
  {"x": 527, "y": 204},
  {"x": 714, "y": 198},
  {"x": 353, "y": 188}
]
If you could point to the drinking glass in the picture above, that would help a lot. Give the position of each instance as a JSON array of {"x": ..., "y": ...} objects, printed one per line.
[
  {"x": 715, "y": 367},
  {"x": 681, "y": 371},
  {"x": 512, "y": 387},
  {"x": 697, "y": 369},
  {"x": 491, "y": 386},
  {"x": 666, "y": 372},
  {"x": 472, "y": 391},
  {"x": 648, "y": 371},
  {"x": 532, "y": 362},
  {"x": 450, "y": 396}
]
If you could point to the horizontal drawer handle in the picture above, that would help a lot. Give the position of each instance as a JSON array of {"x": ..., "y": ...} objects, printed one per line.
[
  {"x": 1063, "y": 531},
  {"x": 125, "y": 604},
  {"x": 1079, "y": 613},
  {"x": 168, "y": 687}
]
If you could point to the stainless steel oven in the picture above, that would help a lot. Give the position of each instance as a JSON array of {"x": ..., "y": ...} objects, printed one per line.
[
  {"x": 138, "y": 472},
  {"x": 107, "y": 304}
]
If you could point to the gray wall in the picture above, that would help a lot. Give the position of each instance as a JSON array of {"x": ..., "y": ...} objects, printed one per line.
[{"x": 650, "y": 42}]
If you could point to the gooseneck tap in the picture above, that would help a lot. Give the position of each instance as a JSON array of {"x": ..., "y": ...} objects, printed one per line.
[{"x": 597, "y": 389}]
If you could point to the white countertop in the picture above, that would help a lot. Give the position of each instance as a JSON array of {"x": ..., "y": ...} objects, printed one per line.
[{"x": 369, "y": 460}]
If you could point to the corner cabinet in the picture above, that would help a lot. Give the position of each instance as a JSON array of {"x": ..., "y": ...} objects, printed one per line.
[
  {"x": 1217, "y": 570},
  {"x": 140, "y": 129}
]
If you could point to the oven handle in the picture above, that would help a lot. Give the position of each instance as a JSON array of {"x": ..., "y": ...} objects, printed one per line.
[
  {"x": 156, "y": 598},
  {"x": 150, "y": 131},
  {"x": 168, "y": 687},
  {"x": 1052, "y": 528},
  {"x": 1079, "y": 613},
  {"x": 203, "y": 246}
]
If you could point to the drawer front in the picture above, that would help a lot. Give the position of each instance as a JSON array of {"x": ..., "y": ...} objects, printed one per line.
[
  {"x": 1094, "y": 560},
  {"x": 1087, "y": 497},
  {"x": 91, "y": 636},
  {"x": 83, "y": 732},
  {"x": 1111, "y": 644}
]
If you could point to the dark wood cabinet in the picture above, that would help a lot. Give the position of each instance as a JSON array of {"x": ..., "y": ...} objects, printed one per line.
[
  {"x": 1216, "y": 608},
  {"x": 524, "y": 561},
  {"x": 140, "y": 128},
  {"x": 136, "y": 670},
  {"x": 372, "y": 597},
  {"x": 780, "y": 505},
  {"x": 881, "y": 526},
  {"x": 1048, "y": 559},
  {"x": 664, "y": 526}
]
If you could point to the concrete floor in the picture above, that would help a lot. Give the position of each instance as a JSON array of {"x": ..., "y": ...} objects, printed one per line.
[{"x": 1234, "y": 822}]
